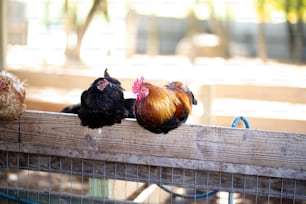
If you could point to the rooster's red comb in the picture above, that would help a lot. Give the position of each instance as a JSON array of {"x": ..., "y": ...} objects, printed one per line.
[{"x": 137, "y": 84}]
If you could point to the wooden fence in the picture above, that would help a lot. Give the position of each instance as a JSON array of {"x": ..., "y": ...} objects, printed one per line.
[{"x": 227, "y": 159}]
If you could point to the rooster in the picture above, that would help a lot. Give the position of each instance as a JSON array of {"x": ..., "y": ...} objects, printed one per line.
[
  {"x": 102, "y": 103},
  {"x": 12, "y": 96},
  {"x": 161, "y": 109}
]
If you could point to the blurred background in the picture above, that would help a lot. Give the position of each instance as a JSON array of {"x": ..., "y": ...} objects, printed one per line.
[
  {"x": 240, "y": 57},
  {"x": 56, "y": 31}
]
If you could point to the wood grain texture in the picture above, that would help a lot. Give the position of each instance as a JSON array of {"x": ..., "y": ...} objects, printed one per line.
[
  {"x": 196, "y": 147},
  {"x": 9, "y": 135}
]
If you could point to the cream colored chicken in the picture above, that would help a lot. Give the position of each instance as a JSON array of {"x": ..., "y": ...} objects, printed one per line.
[{"x": 12, "y": 96}]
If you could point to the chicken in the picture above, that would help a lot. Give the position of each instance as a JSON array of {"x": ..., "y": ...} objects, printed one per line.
[
  {"x": 161, "y": 109},
  {"x": 128, "y": 104},
  {"x": 102, "y": 103},
  {"x": 12, "y": 96}
]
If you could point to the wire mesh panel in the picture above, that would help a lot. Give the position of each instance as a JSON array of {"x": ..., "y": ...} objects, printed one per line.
[{"x": 31, "y": 178}]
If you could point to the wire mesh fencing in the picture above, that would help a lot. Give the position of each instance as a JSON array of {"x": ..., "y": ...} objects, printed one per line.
[{"x": 32, "y": 178}]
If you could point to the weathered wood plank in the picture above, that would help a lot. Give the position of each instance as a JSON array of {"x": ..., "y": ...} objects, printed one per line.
[
  {"x": 9, "y": 135},
  {"x": 190, "y": 146}
]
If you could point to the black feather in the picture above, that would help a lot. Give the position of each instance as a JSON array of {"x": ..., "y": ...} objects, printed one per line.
[
  {"x": 72, "y": 109},
  {"x": 100, "y": 108},
  {"x": 167, "y": 126},
  {"x": 129, "y": 105}
]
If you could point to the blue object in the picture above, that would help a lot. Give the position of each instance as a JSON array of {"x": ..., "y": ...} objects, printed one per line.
[
  {"x": 245, "y": 121},
  {"x": 191, "y": 197},
  {"x": 14, "y": 198}
]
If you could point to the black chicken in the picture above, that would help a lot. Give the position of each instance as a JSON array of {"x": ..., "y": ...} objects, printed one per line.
[{"x": 102, "y": 103}]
